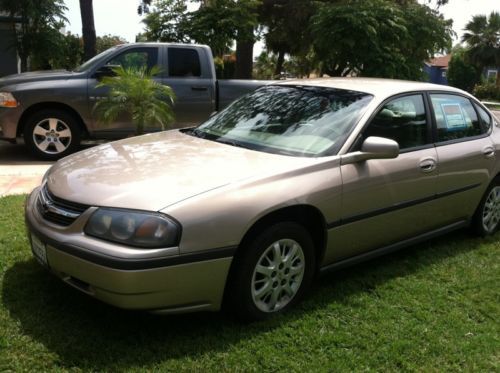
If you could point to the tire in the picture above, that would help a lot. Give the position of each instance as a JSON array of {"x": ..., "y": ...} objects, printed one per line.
[
  {"x": 486, "y": 220},
  {"x": 52, "y": 134},
  {"x": 255, "y": 293}
]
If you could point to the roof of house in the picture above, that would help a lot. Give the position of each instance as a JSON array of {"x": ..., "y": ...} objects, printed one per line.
[{"x": 442, "y": 61}]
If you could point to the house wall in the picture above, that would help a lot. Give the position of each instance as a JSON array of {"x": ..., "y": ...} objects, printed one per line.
[
  {"x": 8, "y": 55},
  {"x": 435, "y": 74}
]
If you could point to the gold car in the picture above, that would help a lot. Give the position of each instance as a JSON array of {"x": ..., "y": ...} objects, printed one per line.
[{"x": 291, "y": 180}]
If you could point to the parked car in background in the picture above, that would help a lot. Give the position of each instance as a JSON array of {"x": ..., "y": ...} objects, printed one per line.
[
  {"x": 290, "y": 180},
  {"x": 53, "y": 110}
]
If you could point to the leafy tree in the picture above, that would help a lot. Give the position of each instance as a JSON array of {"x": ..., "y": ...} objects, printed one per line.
[
  {"x": 462, "y": 74},
  {"x": 38, "y": 23},
  {"x": 108, "y": 41},
  {"x": 216, "y": 23},
  {"x": 483, "y": 40},
  {"x": 378, "y": 37},
  {"x": 166, "y": 21},
  {"x": 133, "y": 91},
  {"x": 88, "y": 29}
]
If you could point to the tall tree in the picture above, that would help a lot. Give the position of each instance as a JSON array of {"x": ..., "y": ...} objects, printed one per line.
[
  {"x": 378, "y": 37},
  {"x": 36, "y": 25},
  {"x": 482, "y": 35},
  {"x": 88, "y": 29},
  {"x": 281, "y": 17}
]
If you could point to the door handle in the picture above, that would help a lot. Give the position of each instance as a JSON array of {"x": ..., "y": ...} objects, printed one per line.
[
  {"x": 489, "y": 152},
  {"x": 427, "y": 165},
  {"x": 199, "y": 88}
]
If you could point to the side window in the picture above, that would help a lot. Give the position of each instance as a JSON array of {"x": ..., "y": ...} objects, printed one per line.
[
  {"x": 136, "y": 58},
  {"x": 485, "y": 118},
  {"x": 183, "y": 62},
  {"x": 455, "y": 117},
  {"x": 402, "y": 120}
]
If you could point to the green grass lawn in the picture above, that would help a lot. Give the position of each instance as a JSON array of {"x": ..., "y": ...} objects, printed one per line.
[{"x": 433, "y": 307}]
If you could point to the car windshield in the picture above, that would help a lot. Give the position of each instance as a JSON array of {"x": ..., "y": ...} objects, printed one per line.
[
  {"x": 292, "y": 120},
  {"x": 94, "y": 60}
]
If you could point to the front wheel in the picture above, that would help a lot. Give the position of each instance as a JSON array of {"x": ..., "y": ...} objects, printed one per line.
[
  {"x": 272, "y": 272},
  {"x": 52, "y": 134},
  {"x": 486, "y": 220}
]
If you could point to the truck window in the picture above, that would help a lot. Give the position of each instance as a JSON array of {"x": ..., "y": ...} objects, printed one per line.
[
  {"x": 183, "y": 62},
  {"x": 136, "y": 58}
]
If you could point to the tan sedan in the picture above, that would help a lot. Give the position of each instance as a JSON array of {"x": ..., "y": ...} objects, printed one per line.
[{"x": 290, "y": 180}]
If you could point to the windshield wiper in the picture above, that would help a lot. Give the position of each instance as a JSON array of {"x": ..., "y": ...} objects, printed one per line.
[{"x": 232, "y": 143}]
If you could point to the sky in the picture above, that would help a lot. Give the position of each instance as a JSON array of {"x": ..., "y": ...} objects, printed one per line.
[{"x": 119, "y": 17}]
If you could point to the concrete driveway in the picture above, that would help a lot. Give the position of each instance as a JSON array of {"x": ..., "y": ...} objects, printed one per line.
[{"x": 20, "y": 172}]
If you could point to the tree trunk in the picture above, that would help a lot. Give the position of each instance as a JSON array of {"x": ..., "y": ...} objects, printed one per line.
[
  {"x": 88, "y": 29},
  {"x": 244, "y": 59},
  {"x": 279, "y": 64}
]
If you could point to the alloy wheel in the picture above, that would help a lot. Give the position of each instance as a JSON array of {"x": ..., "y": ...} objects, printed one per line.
[
  {"x": 491, "y": 210},
  {"x": 52, "y": 136},
  {"x": 278, "y": 275}
]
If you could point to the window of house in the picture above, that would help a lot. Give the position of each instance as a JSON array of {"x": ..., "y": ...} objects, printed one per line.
[
  {"x": 402, "y": 120},
  {"x": 183, "y": 62},
  {"x": 456, "y": 117},
  {"x": 491, "y": 75},
  {"x": 136, "y": 58}
]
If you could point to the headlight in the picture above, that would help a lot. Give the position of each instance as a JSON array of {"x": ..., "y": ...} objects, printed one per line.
[
  {"x": 133, "y": 228},
  {"x": 7, "y": 100}
]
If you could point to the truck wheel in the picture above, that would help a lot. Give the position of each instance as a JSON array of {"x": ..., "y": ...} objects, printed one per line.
[
  {"x": 486, "y": 220},
  {"x": 272, "y": 272},
  {"x": 52, "y": 134}
]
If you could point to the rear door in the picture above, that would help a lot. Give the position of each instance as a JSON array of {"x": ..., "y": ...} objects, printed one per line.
[
  {"x": 193, "y": 82},
  {"x": 465, "y": 152},
  {"x": 387, "y": 200}
]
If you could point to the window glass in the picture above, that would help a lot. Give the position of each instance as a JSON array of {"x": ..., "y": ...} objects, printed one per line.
[
  {"x": 136, "y": 58},
  {"x": 455, "y": 117},
  {"x": 183, "y": 62},
  {"x": 402, "y": 120}
]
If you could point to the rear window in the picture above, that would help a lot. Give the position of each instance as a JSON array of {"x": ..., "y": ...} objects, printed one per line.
[
  {"x": 456, "y": 118},
  {"x": 183, "y": 62}
]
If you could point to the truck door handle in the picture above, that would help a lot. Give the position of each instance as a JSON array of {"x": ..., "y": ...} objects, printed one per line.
[
  {"x": 427, "y": 165},
  {"x": 199, "y": 88},
  {"x": 489, "y": 152}
]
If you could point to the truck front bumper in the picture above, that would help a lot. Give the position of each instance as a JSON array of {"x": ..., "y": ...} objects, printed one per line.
[{"x": 9, "y": 119}]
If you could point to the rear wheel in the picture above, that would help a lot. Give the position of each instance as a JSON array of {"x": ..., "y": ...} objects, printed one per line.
[
  {"x": 272, "y": 272},
  {"x": 52, "y": 134},
  {"x": 486, "y": 220}
]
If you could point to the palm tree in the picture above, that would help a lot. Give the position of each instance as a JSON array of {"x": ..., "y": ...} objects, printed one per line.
[
  {"x": 133, "y": 91},
  {"x": 483, "y": 39},
  {"x": 88, "y": 29}
]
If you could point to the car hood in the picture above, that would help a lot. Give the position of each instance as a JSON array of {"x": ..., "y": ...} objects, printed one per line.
[
  {"x": 37, "y": 76},
  {"x": 154, "y": 171}
]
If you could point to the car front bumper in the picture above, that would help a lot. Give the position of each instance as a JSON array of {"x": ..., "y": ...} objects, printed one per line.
[{"x": 173, "y": 284}]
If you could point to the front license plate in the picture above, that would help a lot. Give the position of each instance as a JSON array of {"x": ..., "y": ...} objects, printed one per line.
[{"x": 39, "y": 250}]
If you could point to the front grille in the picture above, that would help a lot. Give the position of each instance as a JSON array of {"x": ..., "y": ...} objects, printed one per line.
[{"x": 58, "y": 210}]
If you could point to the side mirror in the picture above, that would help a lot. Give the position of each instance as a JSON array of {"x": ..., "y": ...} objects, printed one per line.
[
  {"x": 373, "y": 148},
  {"x": 106, "y": 70}
]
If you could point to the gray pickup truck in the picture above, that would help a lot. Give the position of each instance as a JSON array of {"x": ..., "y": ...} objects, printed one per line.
[{"x": 53, "y": 110}]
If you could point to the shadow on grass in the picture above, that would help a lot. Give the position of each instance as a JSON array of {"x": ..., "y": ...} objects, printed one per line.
[{"x": 89, "y": 334}]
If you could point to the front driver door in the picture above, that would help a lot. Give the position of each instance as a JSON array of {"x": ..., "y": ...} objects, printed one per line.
[
  {"x": 136, "y": 58},
  {"x": 387, "y": 200}
]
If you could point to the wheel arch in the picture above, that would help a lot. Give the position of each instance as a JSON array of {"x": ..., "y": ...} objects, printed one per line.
[
  {"x": 47, "y": 106},
  {"x": 308, "y": 216}
]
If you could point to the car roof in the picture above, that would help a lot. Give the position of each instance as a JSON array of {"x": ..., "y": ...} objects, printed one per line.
[{"x": 374, "y": 86}]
